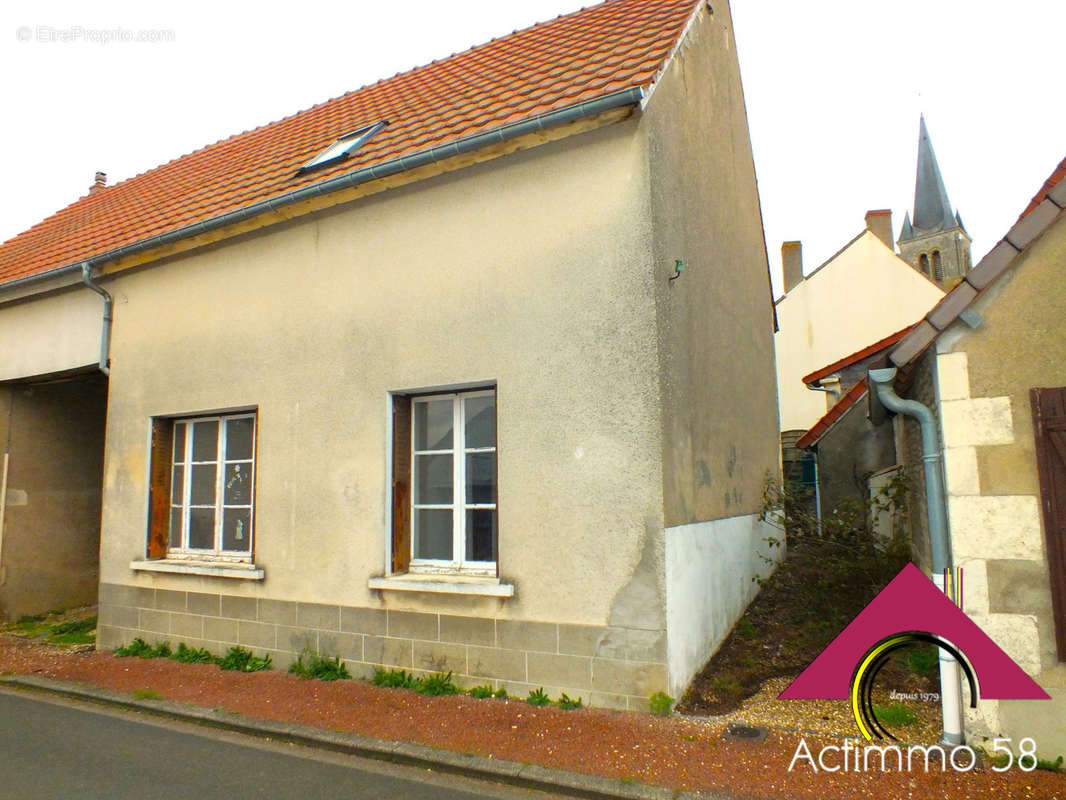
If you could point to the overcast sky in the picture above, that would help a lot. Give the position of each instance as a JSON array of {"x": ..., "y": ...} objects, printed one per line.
[{"x": 834, "y": 89}]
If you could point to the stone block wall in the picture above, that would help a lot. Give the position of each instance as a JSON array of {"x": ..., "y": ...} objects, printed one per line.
[{"x": 609, "y": 667}]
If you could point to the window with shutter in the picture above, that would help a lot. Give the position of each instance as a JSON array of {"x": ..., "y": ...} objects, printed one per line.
[{"x": 1049, "y": 421}]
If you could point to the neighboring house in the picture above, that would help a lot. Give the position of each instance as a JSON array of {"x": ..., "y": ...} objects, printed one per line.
[
  {"x": 404, "y": 377},
  {"x": 989, "y": 361},
  {"x": 863, "y": 293},
  {"x": 854, "y": 457}
]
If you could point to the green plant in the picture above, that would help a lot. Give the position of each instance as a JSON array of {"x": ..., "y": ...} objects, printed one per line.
[
  {"x": 395, "y": 679},
  {"x": 319, "y": 667},
  {"x": 1050, "y": 766},
  {"x": 923, "y": 660},
  {"x": 192, "y": 655},
  {"x": 481, "y": 692},
  {"x": 501, "y": 693},
  {"x": 746, "y": 628},
  {"x": 74, "y": 626},
  {"x": 661, "y": 703},
  {"x": 147, "y": 694},
  {"x": 27, "y": 620},
  {"x": 241, "y": 659},
  {"x": 894, "y": 715},
  {"x": 567, "y": 703},
  {"x": 139, "y": 648},
  {"x": 538, "y": 698},
  {"x": 439, "y": 683}
]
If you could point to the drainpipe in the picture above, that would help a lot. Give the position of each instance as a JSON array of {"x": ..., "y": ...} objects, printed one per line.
[
  {"x": 950, "y": 688},
  {"x": 105, "y": 333}
]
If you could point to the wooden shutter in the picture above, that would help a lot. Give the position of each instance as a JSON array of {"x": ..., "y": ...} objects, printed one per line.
[
  {"x": 1049, "y": 421},
  {"x": 401, "y": 483},
  {"x": 159, "y": 487}
]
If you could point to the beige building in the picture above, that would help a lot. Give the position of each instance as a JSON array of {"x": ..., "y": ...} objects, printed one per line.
[
  {"x": 862, "y": 294},
  {"x": 988, "y": 360},
  {"x": 438, "y": 375}
]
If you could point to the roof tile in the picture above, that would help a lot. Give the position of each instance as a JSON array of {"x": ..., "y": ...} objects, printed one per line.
[{"x": 615, "y": 45}]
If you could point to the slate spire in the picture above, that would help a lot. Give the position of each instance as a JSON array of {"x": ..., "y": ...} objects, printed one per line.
[{"x": 932, "y": 209}]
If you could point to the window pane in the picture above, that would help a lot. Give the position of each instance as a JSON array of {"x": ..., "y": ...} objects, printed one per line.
[
  {"x": 205, "y": 441},
  {"x": 177, "y": 485},
  {"x": 433, "y": 476},
  {"x": 480, "y": 534},
  {"x": 202, "y": 528},
  {"x": 433, "y": 533},
  {"x": 480, "y": 478},
  {"x": 236, "y": 529},
  {"x": 238, "y": 485},
  {"x": 203, "y": 485},
  {"x": 239, "y": 438},
  {"x": 175, "y": 527},
  {"x": 480, "y": 421},
  {"x": 433, "y": 424},
  {"x": 179, "y": 442}
]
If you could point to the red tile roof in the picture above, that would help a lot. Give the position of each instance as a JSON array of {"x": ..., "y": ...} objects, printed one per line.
[
  {"x": 850, "y": 398},
  {"x": 1049, "y": 184},
  {"x": 618, "y": 44},
  {"x": 857, "y": 356}
]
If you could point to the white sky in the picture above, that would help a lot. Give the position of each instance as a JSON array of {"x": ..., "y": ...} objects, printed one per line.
[{"x": 834, "y": 89}]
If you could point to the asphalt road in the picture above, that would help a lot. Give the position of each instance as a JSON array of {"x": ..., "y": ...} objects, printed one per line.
[{"x": 60, "y": 749}]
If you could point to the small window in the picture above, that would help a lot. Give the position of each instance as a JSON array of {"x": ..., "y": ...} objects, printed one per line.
[
  {"x": 923, "y": 263},
  {"x": 444, "y": 483},
  {"x": 343, "y": 147},
  {"x": 203, "y": 487},
  {"x": 938, "y": 266}
]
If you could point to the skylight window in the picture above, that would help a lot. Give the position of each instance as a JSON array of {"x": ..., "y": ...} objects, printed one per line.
[{"x": 343, "y": 147}]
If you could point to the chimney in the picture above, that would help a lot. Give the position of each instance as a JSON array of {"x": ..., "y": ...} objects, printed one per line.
[
  {"x": 99, "y": 182},
  {"x": 879, "y": 223},
  {"x": 792, "y": 264}
]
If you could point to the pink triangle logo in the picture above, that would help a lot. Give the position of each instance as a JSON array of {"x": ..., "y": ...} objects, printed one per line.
[{"x": 912, "y": 603}]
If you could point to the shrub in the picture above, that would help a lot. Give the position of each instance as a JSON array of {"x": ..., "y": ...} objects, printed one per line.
[
  {"x": 481, "y": 692},
  {"x": 323, "y": 668},
  {"x": 395, "y": 679},
  {"x": 501, "y": 693},
  {"x": 241, "y": 659},
  {"x": 538, "y": 698},
  {"x": 661, "y": 703},
  {"x": 192, "y": 655},
  {"x": 567, "y": 703},
  {"x": 439, "y": 684}
]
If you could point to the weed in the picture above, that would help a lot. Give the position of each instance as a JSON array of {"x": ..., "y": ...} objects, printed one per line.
[
  {"x": 75, "y": 626},
  {"x": 139, "y": 648},
  {"x": 319, "y": 667},
  {"x": 395, "y": 679},
  {"x": 568, "y": 703},
  {"x": 727, "y": 684},
  {"x": 481, "y": 692},
  {"x": 501, "y": 693},
  {"x": 438, "y": 684},
  {"x": 923, "y": 661},
  {"x": 746, "y": 628},
  {"x": 192, "y": 655},
  {"x": 240, "y": 658},
  {"x": 661, "y": 703},
  {"x": 538, "y": 698},
  {"x": 27, "y": 620},
  {"x": 1050, "y": 766},
  {"x": 894, "y": 715},
  {"x": 147, "y": 694}
]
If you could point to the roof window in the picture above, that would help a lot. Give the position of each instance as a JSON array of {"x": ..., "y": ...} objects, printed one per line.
[{"x": 343, "y": 147}]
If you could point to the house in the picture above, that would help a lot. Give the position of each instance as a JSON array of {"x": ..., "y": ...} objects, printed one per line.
[
  {"x": 988, "y": 361},
  {"x": 441, "y": 374}
]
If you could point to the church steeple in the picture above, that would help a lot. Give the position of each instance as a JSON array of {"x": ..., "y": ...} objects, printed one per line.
[{"x": 933, "y": 239}]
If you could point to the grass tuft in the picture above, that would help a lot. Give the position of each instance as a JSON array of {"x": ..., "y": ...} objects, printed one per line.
[
  {"x": 310, "y": 665},
  {"x": 240, "y": 658}
]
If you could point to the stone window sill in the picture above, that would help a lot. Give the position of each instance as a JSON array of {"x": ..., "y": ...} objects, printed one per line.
[
  {"x": 443, "y": 584},
  {"x": 216, "y": 569}
]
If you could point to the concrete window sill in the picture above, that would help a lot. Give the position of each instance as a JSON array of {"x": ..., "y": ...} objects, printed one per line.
[
  {"x": 248, "y": 572},
  {"x": 443, "y": 584}
]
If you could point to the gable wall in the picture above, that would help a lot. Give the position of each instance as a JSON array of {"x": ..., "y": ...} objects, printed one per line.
[{"x": 984, "y": 378}]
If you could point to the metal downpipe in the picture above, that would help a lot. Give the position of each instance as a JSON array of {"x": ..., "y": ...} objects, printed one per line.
[
  {"x": 105, "y": 332},
  {"x": 936, "y": 512}
]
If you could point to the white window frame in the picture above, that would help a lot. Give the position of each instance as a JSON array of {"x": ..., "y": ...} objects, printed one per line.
[
  {"x": 344, "y": 146},
  {"x": 459, "y": 505},
  {"x": 182, "y": 550}
]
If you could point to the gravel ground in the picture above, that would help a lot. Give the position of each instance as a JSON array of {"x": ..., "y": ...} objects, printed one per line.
[{"x": 676, "y": 752}]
